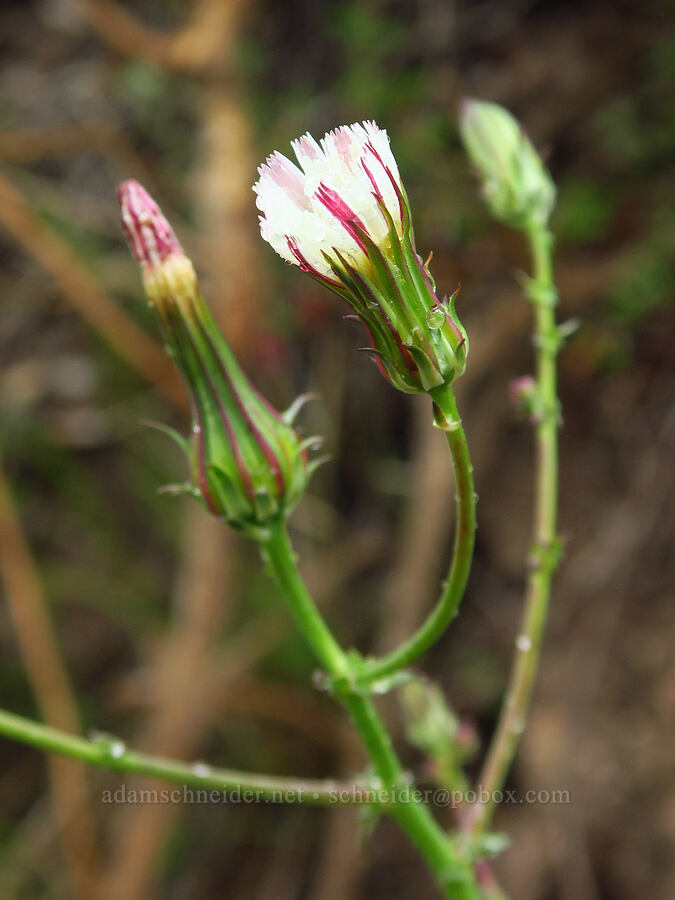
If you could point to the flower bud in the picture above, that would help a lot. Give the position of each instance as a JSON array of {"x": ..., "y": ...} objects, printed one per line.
[
  {"x": 524, "y": 396},
  {"x": 517, "y": 186},
  {"x": 343, "y": 216},
  {"x": 433, "y": 727},
  {"x": 247, "y": 463}
]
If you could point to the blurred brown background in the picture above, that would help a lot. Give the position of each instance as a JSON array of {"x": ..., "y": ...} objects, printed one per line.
[{"x": 160, "y": 624}]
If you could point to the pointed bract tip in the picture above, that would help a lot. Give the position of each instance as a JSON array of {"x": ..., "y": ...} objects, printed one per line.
[{"x": 151, "y": 238}]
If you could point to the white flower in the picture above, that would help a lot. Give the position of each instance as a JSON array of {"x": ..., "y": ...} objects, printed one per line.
[
  {"x": 342, "y": 215},
  {"x": 337, "y": 189}
]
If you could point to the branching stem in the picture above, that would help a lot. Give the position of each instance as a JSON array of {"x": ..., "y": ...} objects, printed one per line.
[
  {"x": 110, "y": 753},
  {"x": 453, "y": 874}
]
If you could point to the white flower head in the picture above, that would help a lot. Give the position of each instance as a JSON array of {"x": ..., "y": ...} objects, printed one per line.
[
  {"x": 342, "y": 215},
  {"x": 336, "y": 192}
]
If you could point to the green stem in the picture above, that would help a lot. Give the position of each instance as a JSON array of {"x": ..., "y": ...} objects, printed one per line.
[
  {"x": 280, "y": 557},
  {"x": 111, "y": 753},
  {"x": 544, "y": 556},
  {"x": 465, "y": 529},
  {"x": 396, "y": 795}
]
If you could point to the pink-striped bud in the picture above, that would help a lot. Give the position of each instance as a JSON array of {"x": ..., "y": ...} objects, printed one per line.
[
  {"x": 247, "y": 463},
  {"x": 168, "y": 275}
]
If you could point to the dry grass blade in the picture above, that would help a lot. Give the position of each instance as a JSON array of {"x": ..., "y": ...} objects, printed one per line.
[
  {"x": 83, "y": 292},
  {"x": 178, "y": 720},
  {"x": 189, "y": 48},
  {"x": 54, "y": 695}
]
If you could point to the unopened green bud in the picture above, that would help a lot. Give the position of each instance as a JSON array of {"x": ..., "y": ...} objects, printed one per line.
[
  {"x": 433, "y": 728},
  {"x": 517, "y": 186},
  {"x": 430, "y": 724},
  {"x": 247, "y": 463}
]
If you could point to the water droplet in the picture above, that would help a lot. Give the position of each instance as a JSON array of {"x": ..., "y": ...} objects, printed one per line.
[
  {"x": 201, "y": 770},
  {"x": 435, "y": 317},
  {"x": 320, "y": 680},
  {"x": 523, "y": 642},
  {"x": 376, "y": 783},
  {"x": 113, "y": 746},
  {"x": 117, "y": 749}
]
